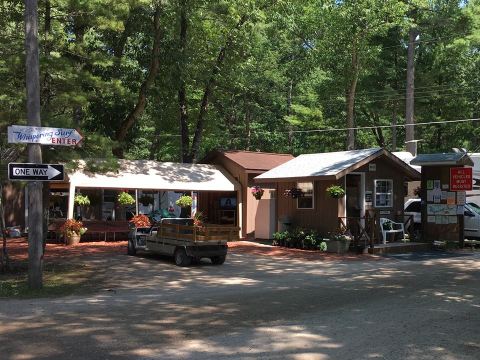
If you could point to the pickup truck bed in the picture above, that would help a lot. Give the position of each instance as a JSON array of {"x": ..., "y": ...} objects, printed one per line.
[{"x": 178, "y": 237}]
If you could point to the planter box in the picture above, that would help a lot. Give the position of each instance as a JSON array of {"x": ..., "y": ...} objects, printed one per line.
[{"x": 338, "y": 246}]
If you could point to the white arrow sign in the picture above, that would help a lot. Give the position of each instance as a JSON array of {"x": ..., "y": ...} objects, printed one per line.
[
  {"x": 43, "y": 135},
  {"x": 41, "y": 172}
]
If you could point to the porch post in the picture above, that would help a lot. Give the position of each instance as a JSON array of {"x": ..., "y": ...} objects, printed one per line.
[
  {"x": 136, "y": 201},
  {"x": 240, "y": 212},
  {"x": 71, "y": 197}
]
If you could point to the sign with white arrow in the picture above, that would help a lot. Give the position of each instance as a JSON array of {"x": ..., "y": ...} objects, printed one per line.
[
  {"x": 43, "y": 135},
  {"x": 35, "y": 172}
]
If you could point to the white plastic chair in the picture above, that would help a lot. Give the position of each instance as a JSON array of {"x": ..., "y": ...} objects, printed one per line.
[{"x": 388, "y": 226}]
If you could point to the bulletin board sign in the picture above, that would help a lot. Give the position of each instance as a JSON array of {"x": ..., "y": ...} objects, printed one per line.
[{"x": 461, "y": 179}]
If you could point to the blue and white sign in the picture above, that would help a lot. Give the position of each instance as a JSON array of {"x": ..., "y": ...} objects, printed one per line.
[{"x": 43, "y": 135}]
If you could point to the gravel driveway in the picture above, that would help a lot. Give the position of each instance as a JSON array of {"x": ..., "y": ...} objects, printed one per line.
[{"x": 257, "y": 307}]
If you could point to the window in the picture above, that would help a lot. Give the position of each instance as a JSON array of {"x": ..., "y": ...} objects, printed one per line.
[
  {"x": 383, "y": 193},
  {"x": 306, "y": 200}
]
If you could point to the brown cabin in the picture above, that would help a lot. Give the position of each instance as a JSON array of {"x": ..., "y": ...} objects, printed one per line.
[
  {"x": 374, "y": 181},
  {"x": 258, "y": 215}
]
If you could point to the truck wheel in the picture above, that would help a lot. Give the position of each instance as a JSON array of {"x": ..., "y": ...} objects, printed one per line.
[
  {"x": 181, "y": 257},
  {"x": 131, "y": 248},
  {"x": 218, "y": 260}
]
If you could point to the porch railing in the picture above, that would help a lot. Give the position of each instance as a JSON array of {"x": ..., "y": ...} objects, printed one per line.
[{"x": 364, "y": 230}]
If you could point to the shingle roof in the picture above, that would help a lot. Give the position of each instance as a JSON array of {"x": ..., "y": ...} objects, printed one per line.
[
  {"x": 332, "y": 164},
  {"x": 260, "y": 161}
]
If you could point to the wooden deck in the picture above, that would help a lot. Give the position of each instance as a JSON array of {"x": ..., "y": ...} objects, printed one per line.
[
  {"x": 399, "y": 247},
  {"x": 96, "y": 230}
]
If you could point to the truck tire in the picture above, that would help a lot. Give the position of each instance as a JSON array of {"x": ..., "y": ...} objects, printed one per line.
[
  {"x": 131, "y": 248},
  {"x": 181, "y": 257},
  {"x": 218, "y": 260}
]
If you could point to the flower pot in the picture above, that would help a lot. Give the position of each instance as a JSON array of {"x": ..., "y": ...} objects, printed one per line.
[
  {"x": 258, "y": 197},
  {"x": 73, "y": 239},
  {"x": 338, "y": 246}
]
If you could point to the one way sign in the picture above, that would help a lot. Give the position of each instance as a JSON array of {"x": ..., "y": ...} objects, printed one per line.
[{"x": 35, "y": 172}]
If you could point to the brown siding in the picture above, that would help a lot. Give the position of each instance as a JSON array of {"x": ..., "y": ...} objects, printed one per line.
[
  {"x": 248, "y": 225},
  {"x": 385, "y": 170},
  {"x": 323, "y": 217}
]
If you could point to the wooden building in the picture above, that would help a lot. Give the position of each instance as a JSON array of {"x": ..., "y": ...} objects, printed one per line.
[
  {"x": 374, "y": 181},
  {"x": 258, "y": 215}
]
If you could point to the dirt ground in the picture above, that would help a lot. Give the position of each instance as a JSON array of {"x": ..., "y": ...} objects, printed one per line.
[{"x": 18, "y": 251}]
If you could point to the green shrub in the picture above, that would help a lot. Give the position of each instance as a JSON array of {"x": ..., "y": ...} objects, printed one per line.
[{"x": 299, "y": 238}]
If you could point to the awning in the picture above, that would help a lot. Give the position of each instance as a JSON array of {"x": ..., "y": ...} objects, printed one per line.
[{"x": 147, "y": 174}]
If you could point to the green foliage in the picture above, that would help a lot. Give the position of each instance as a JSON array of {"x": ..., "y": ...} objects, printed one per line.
[
  {"x": 299, "y": 238},
  {"x": 335, "y": 191},
  {"x": 184, "y": 201},
  {"x": 125, "y": 198},
  {"x": 81, "y": 200},
  {"x": 280, "y": 87}
]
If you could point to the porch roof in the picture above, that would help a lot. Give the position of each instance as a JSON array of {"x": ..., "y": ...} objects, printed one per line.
[
  {"x": 333, "y": 165},
  {"x": 147, "y": 174}
]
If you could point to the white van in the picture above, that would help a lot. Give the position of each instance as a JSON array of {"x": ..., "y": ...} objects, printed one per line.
[{"x": 472, "y": 217}]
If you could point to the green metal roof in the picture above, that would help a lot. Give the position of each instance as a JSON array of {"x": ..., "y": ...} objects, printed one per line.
[{"x": 460, "y": 158}]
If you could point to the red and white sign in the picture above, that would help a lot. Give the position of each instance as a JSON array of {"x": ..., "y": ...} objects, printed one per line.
[{"x": 461, "y": 179}]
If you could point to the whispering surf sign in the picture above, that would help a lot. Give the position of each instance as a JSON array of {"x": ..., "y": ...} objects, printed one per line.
[{"x": 43, "y": 135}]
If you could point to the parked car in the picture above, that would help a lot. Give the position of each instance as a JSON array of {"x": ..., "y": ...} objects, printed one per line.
[{"x": 471, "y": 213}]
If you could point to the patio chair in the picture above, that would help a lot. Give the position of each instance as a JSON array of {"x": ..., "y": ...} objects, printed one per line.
[{"x": 388, "y": 226}]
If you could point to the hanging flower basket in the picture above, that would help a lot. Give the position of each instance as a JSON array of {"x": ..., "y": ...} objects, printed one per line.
[
  {"x": 257, "y": 192},
  {"x": 335, "y": 191},
  {"x": 293, "y": 193}
]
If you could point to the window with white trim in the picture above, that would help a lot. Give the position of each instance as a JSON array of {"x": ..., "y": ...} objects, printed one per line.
[
  {"x": 306, "y": 200},
  {"x": 383, "y": 193}
]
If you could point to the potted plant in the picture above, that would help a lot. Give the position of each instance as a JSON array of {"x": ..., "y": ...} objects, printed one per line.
[
  {"x": 140, "y": 221},
  {"x": 293, "y": 193},
  {"x": 257, "y": 192},
  {"x": 335, "y": 191},
  {"x": 72, "y": 231},
  {"x": 185, "y": 203},
  {"x": 81, "y": 200},
  {"x": 125, "y": 198},
  {"x": 339, "y": 241}
]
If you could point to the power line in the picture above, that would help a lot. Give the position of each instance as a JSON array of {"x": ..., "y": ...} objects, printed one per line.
[{"x": 383, "y": 126}]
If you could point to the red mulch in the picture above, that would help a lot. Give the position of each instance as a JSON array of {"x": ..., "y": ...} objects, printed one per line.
[
  {"x": 18, "y": 250},
  {"x": 248, "y": 247}
]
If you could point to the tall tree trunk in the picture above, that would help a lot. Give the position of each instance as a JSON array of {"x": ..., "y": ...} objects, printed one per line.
[
  {"x": 182, "y": 93},
  {"x": 137, "y": 111},
  {"x": 197, "y": 138},
  {"x": 351, "y": 91},
  {"x": 395, "y": 108},
  {"x": 409, "y": 104},
  {"x": 4, "y": 259},
  {"x": 35, "y": 201}
]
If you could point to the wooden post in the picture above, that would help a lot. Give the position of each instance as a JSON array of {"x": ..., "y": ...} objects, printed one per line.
[{"x": 35, "y": 199}]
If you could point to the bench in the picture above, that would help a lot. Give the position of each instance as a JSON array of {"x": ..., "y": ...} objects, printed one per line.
[{"x": 388, "y": 226}]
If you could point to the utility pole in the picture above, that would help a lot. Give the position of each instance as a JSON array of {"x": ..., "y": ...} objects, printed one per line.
[
  {"x": 410, "y": 92},
  {"x": 35, "y": 200}
]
